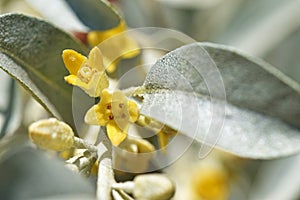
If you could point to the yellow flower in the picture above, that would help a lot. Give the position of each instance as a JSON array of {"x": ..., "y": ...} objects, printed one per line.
[
  {"x": 164, "y": 136},
  {"x": 210, "y": 182},
  {"x": 86, "y": 73},
  {"x": 118, "y": 46},
  {"x": 115, "y": 112}
]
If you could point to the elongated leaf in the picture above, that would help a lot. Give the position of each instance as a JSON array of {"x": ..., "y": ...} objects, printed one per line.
[
  {"x": 96, "y": 14},
  {"x": 261, "y": 117},
  {"x": 28, "y": 174},
  {"x": 30, "y": 51}
]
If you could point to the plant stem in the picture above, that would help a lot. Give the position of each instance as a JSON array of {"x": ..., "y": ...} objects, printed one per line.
[
  {"x": 81, "y": 144},
  {"x": 120, "y": 195},
  {"x": 129, "y": 91},
  {"x": 105, "y": 170}
]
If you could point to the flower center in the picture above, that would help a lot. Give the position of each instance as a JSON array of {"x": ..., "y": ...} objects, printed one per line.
[
  {"x": 118, "y": 112},
  {"x": 108, "y": 113},
  {"x": 85, "y": 73}
]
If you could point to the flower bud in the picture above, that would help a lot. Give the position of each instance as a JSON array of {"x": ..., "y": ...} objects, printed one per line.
[
  {"x": 51, "y": 134},
  {"x": 148, "y": 186},
  {"x": 153, "y": 187}
]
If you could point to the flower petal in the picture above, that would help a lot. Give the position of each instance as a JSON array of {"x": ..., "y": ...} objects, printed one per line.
[
  {"x": 95, "y": 59},
  {"x": 112, "y": 66},
  {"x": 95, "y": 116},
  {"x": 106, "y": 97},
  {"x": 133, "y": 111},
  {"x": 71, "y": 79},
  {"x": 96, "y": 37},
  {"x": 73, "y": 60},
  {"x": 98, "y": 82},
  {"x": 120, "y": 109},
  {"x": 115, "y": 134},
  {"x": 163, "y": 140},
  {"x": 115, "y": 43},
  {"x": 131, "y": 48},
  {"x": 137, "y": 145},
  {"x": 74, "y": 80}
]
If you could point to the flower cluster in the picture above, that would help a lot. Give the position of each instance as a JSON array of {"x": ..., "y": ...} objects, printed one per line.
[
  {"x": 116, "y": 45},
  {"x": 114, "y": 110}
]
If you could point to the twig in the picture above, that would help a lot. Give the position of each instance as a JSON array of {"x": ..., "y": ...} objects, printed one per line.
[
  {"x": 122, "y": 194},
  {"x": 129, "y": 91},
  {"x": 116, "y": 195},
  {"x": 82, "y": 144},
  {"x": 105, "y": 170}
]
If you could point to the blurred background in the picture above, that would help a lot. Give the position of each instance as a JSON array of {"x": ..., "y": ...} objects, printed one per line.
[{"x": 269, "y": 29}]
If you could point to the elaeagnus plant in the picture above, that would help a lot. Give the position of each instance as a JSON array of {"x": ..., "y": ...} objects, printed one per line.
[{"x": 95, "y": 81}]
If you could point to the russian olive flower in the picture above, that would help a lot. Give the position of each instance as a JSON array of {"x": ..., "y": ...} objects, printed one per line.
[
  {"x": 86, "y": 73},
  {"x": 211, "y": 181},
  {"x": 118, "y": 46},
  {"x": 115, "y": 112},
  {"x": 164, "y": 136}
]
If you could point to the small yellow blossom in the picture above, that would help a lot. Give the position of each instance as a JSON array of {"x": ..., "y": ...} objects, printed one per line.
[
  {"x": 115, "y": 112},
  {"x": 118, "y": 46},
  {"x": 164, "y": 136},
  {"x": 211, "y": 182},
  {"x": 134, "y": 155},
  {"x": 86, "y": 73}
]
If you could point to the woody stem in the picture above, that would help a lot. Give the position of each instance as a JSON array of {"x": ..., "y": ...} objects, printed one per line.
[{"x": 82, "y": 144}]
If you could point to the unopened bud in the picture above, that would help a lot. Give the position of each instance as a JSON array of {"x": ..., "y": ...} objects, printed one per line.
[
  {"x": 51, "y": 134},
  {"x": 148, "y": 186},
  {"x": 153, "y": 187}
]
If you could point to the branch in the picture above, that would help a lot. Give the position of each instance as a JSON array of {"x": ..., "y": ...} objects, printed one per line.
[{"x": 105, "y": 170}]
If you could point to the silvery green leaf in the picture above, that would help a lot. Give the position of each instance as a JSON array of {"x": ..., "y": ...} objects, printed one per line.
[
  {"x": 260, "y": 118},
  {"x": 95, "y": 14},
  {"x": 29, "y": 174},
  {"x": 31, "y": 53}
]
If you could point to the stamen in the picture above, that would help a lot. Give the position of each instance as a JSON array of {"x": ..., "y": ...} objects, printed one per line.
[{"x": 85, "y": 74}]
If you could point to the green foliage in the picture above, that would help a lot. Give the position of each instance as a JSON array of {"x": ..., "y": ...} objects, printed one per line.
[
  {"x": 96, "y": 14},
  {"x": 27, "y": 174},
  {"x": 255, "y": 112},
  {"x": 31, "y": 53}
]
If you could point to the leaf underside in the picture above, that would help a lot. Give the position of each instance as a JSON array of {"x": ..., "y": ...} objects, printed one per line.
[{"x": 262, "y": 112}]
